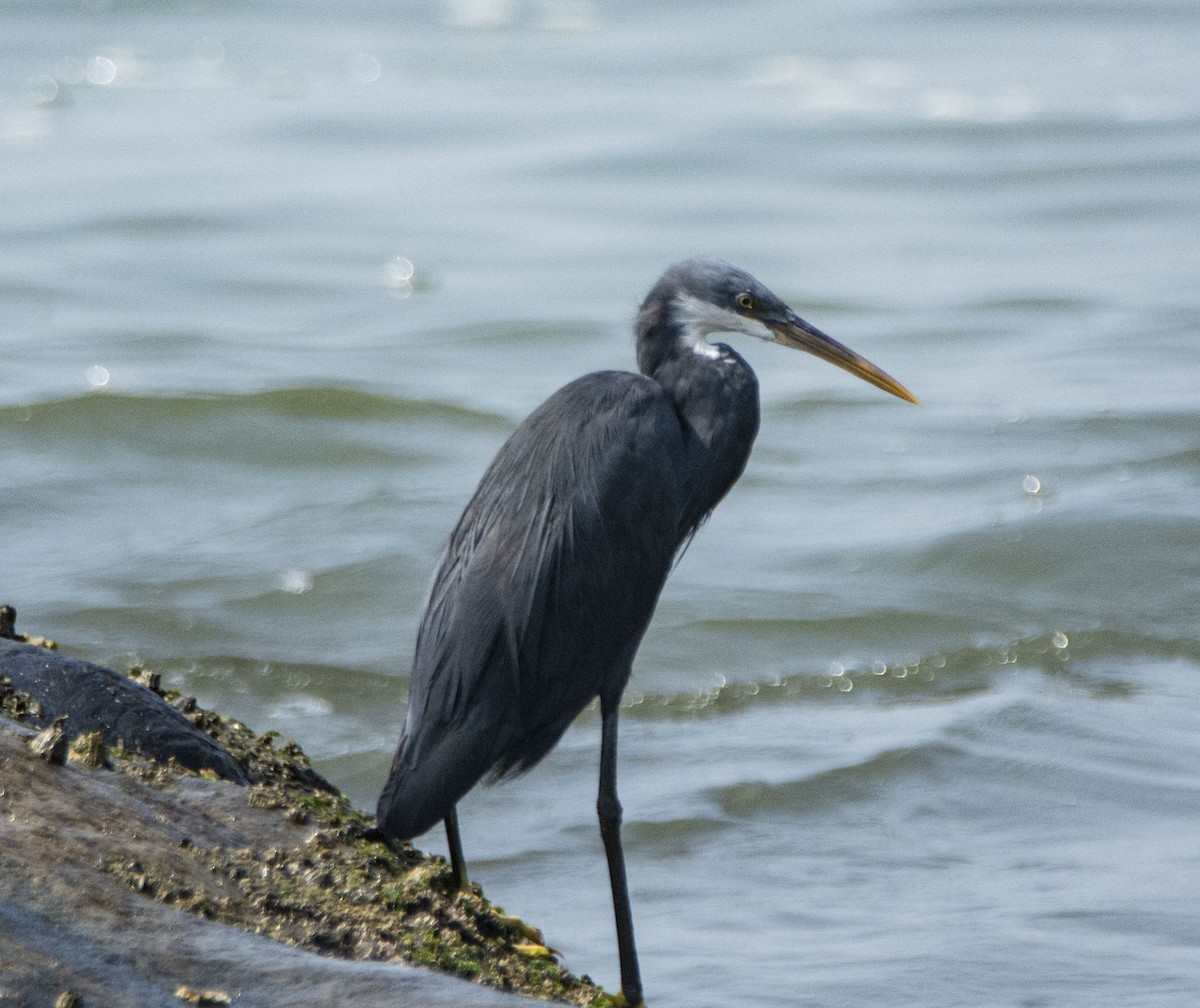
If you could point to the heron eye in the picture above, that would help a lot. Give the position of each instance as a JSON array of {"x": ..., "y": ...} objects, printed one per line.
[{"x": 745, "y": 302}]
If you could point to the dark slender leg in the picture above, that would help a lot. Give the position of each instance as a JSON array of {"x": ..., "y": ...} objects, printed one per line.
[
  {"x": 457, "y": 862},
  {"x": 609, "y": 810}
]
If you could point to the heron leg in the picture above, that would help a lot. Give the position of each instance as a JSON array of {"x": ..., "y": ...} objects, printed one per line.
[
  {"x": 458, "y": 864},
  {"x": 608, "y": 808}
]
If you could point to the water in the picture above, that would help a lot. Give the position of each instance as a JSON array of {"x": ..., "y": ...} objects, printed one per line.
[{"x": 919, "y": 718}]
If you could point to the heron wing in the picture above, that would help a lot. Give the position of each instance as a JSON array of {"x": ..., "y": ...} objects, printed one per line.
[{"x": 546, "y": 586}]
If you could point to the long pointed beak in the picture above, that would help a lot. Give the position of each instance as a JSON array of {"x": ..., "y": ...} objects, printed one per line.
[{"x": 799, "y": 335}]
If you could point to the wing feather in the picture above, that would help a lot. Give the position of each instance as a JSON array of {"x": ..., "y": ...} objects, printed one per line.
[{"x": 543, "y": 591}]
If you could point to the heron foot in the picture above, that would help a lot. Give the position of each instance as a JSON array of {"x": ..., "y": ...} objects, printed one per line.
[
  {"x": 531, "y": 950},
  {"x": 534, "y": 935},
  {"x": 534, "y": 946}
]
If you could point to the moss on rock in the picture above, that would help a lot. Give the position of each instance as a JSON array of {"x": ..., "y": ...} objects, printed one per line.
[{"x": 341, "y": 890}]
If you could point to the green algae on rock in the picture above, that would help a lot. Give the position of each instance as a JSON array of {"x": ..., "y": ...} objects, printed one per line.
[
  {"x": 303, "y": 866},
  {"x": 341, "y": 890},
  {"x": 89, "y": 751}
]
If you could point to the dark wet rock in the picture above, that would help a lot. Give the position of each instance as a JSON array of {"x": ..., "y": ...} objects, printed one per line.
[
  {"x": 97, "y": 699},
  {"x": 67, "y": 924}
]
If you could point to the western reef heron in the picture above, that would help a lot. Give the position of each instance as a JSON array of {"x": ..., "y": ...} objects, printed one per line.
[{"x": 549, "y": 580}]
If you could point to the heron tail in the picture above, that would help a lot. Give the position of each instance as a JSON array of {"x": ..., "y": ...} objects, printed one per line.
[{"x": 426, "y": 782}]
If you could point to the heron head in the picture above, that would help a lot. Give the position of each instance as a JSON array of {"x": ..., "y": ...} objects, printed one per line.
[{"x": 708, "y": 296}]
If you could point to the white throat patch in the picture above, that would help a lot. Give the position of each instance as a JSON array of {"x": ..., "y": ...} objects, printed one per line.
[{"x": 702, "y": 318}]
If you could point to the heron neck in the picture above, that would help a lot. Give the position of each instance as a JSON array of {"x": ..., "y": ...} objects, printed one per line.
[
  {"x": 716, "y": 396},
  {"x": 668, "y": 337}
]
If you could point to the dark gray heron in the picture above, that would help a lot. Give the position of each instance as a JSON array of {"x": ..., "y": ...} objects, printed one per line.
[{"x": 549, "y": 580}]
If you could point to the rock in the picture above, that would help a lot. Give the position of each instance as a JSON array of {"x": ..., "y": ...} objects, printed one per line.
[
  {"x": 65, "y": 923},
  {"x": 125, "y": 882},
  {"x": 128, "y": 714},
  {"x": 89, "y": 750},
  {"x": 51, "y": 743}
]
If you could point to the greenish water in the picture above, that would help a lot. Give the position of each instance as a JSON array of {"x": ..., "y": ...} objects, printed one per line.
[{"x": 918, "y": 720}]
